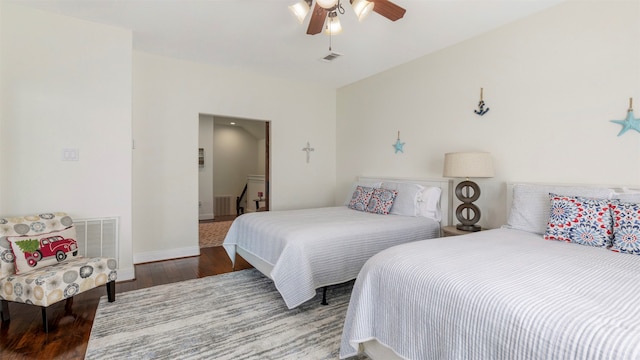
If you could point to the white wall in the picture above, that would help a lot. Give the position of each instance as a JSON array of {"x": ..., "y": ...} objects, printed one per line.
[
  {"x": 262, "y": 156},
  {"x": 552, "y": 82},
  {"x": 66, "y": 83},
  {"x": 235, "y": 154},
  {"x": 205, "y": 173},
  {"x": 167, "y": 98}
]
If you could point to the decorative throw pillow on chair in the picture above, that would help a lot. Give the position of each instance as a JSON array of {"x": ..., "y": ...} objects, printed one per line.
[{"x": 35, "y": 251}]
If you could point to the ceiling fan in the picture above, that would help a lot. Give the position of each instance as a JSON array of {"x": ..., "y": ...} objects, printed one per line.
[{"x": 329, "y": 9}]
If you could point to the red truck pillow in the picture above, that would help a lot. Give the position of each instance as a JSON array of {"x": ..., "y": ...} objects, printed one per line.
[{"x": 36, "y": 251}]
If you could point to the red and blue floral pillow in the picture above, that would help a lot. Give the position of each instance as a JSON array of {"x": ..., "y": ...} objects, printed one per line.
[
  {"x": 626, "y": 227},
  {"x": 580, "y": 220},
  {"x": 360, "y": 198},
  {"x": 381, "y": 201}
]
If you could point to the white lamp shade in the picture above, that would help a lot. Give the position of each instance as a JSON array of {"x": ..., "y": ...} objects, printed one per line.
[
  {"x": 300, "y": 10},
  {"x": 468, "y": 165},
  {"x": 333, "y": 26},
  {"x": 362, "y": 8},
  {"x": 327, "y": 4}
]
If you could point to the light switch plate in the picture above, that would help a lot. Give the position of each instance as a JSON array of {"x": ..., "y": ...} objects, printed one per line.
[{"x": 70, "y": 154}]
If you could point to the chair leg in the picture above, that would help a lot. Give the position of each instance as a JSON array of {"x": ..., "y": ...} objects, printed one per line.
[
  {"x": 45, "y": 323},
  {"x": 5, "y": 310},
  {"x": 68, "y": 305},
  {"x": 111, "y": 291}
]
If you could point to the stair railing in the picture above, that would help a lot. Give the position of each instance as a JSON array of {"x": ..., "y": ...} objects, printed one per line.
[{"x": 240, "y": 209}]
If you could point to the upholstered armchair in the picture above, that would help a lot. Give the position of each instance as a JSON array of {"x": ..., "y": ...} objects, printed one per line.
[{"x": 40, "y": 263}]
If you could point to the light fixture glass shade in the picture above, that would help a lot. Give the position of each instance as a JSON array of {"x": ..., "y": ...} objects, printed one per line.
[
  {"x": 327, "y": 4},
  {"x": 333, "y": 26},
  {"x": 362, "y": 8},
  {"x": 468, "y": 165},
  {"x": 300, "y": 10}
]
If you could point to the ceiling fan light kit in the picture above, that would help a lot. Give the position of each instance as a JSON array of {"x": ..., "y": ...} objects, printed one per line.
[
  {"x": 328, "y": 9},
  {"x": 362, "y": 8},
  {"x": 333, "y": 26},
  {"x": 327, "y": 4},
  {"x": 300, "y": 10}
]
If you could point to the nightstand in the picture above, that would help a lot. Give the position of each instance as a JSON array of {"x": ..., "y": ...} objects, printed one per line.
[{"x": 452, "y": 231}]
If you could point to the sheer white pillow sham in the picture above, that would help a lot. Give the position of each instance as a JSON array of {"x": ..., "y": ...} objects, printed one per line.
[
  {"x": 530, "y": 205},
  {"x": 406, "y": 202},
  {"x": 416, "y": 200},
  {"x": 429, "y": 203}
]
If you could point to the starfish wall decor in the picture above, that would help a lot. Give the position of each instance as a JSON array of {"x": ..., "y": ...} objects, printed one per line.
[
  {"x": 398, "y": 146},
  {"x": 630, "y": 123}
]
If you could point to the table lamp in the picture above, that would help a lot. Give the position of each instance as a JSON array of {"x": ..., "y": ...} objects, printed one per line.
[{"x": 468, "y": 165}]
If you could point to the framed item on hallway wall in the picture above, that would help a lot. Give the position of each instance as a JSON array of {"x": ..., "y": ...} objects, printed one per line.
[{"x": 201, "y": 157}]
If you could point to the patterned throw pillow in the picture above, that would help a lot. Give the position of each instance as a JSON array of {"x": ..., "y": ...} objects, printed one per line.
[
  {"x": 580, "y": 220},
  {"x": 360, "y": 198},
  {"x": 36, "y": 251},
  {"x": 626, "y": 227},
  {"x": 381, "y": 201}
]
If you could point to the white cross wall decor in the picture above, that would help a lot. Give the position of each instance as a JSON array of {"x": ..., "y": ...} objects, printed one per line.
[{"x": 308, "y": 149}]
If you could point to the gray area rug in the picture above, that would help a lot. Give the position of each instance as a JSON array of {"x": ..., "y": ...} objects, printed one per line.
[{"x": 239, "y": 315}]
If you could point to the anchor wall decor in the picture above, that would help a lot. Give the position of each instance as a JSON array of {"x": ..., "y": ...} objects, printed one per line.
[{"x": 481, "y": 110}]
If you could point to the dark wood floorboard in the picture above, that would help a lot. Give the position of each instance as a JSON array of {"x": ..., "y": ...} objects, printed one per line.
[{"x": 23, "y": 338}]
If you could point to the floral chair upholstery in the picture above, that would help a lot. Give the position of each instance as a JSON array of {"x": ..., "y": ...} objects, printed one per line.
[{"x": 48, "y": 284}]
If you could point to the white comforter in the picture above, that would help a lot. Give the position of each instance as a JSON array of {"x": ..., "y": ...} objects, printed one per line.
[
  {"x": 497, "y": 294},
  {"x": 312, "y": 248}
]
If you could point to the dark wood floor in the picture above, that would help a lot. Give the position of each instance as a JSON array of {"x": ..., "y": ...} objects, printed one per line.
[{"x": 23, "y": 338}]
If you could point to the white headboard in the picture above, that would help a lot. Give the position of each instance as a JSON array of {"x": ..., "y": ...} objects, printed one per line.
[{"x": 446, "y": 185}]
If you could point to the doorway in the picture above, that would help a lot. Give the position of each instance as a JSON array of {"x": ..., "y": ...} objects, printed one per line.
[{"x": 234, "y": 157}]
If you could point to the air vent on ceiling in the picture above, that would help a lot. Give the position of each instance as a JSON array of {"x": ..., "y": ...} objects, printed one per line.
[{"x": 331, "y": 56}]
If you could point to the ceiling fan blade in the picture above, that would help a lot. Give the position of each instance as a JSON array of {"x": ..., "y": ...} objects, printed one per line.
[
  {"x": 388, "y": 9},
  {"x": 316, "y": 23}
]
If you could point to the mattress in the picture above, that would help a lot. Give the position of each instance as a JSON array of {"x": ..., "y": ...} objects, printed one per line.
[
  {"x": 497, "y": 294},
  {"x": 311, "y": 248}
]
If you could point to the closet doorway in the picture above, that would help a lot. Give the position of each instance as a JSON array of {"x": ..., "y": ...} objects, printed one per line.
[{"x": 233, "y": 166}]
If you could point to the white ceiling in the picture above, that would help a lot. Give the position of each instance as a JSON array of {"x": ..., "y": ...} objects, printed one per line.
[{"x": 264, "y": 37}]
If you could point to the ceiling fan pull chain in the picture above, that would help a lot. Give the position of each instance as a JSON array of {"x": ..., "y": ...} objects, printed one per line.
[{"x": 329, "y": 26}]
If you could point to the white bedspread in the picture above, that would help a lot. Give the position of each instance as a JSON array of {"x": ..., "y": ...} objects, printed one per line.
[
  {"x": 312, "y": 248},
  {"x": 497, "y": 294}
]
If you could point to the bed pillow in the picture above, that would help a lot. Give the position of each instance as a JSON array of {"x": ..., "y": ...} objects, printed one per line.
[
  {"x": 33, "y": 252},
  {"x": 429, "y": 203},
  {"x": 381, "y": 201},
  {"x": 363, "y": 184},
  {"x": 406, "y": 202},
  {"x": 626, "y": 227},
  {"x": 580, "y": 220},
  {"x": 627, "y": 197},
  {"x": 530, "y": 204},
  {"x": 360, "y": 198}
]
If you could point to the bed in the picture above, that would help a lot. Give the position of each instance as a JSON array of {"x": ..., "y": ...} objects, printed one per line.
[
  {"x": 505, "y": 293},
  {"x": 304, "y": 250}
]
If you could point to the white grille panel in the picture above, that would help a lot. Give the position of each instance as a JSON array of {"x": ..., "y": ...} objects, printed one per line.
[
  {"x": 225, "y": 205},
  {"x": 97, "y": 237}
]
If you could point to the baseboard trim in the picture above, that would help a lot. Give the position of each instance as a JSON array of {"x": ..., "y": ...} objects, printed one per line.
[
  {"x": 160, "y": 255},
  {"x": 126, "y": 274},
  {"x": 209, "y": 216}
]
